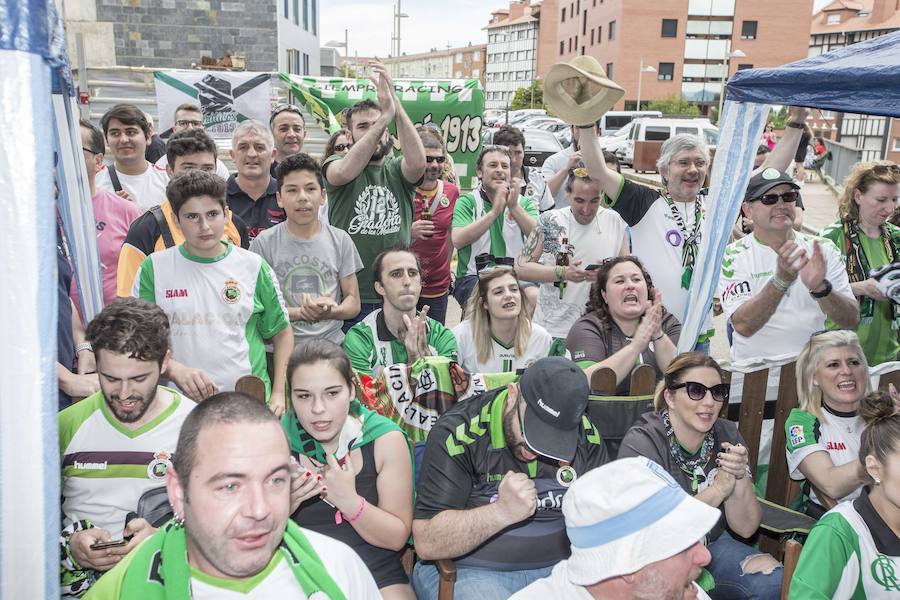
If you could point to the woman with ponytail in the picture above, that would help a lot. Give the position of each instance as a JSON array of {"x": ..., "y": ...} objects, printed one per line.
[{"x": 853, "y": 552}]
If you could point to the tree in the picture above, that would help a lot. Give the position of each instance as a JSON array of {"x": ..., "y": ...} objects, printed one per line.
[
  {"x": 347, "y": 72},
  {"x": 528, "y": 97},
  {"x": 674, "y": 105},
  {"x": 779, "y": 119}
]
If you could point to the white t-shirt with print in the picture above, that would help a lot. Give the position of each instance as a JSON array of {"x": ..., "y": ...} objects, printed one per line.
[
  {"x": 503, "y": 359},
  {"x": 657, "y": 240},
  {"x": 747, "y": 267},
  {"x": 146, "y": 190},
  {"x": 591, "y": 243}
]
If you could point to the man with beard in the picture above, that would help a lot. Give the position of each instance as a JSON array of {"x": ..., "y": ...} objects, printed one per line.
[
  {"x": 434, "y": 203},
  {"x": 493, "y": 478},
  {"x": 635, "y": 535},
  {"x": 533, "y": 185},
  {"x": 231, "y": 488},
  {"x": 397, "y": 333},
  {"x": 556, "y": 168},
  {"x": 370, "y": 193},
  {"x": 666, "y": 226},
  {"x": 116, "y": 444},
  {"x": 493, "y": 219}
]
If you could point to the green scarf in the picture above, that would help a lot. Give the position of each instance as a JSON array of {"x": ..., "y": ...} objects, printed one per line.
[
  {"x": 160, "y": 571},
  {"x": 373, "y": 426},
  {"x": 858, "y": 268}
]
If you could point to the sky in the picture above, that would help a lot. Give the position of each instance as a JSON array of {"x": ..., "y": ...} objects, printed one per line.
[{"x": 431, "y": 24}]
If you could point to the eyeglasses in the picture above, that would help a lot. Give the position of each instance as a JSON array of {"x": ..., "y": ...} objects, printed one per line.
[
  {"x": 342, "y": 147},
  {"x": 280, "y": 108},
  {"x": 437, "y": 159},
  {"x": 189, "y": 123},
  {"x": 884, "y": 169},
  {"x": 89, "y": 151},
  {"x": 770, "y": 199},
  {"x": 697, "y": 391}
]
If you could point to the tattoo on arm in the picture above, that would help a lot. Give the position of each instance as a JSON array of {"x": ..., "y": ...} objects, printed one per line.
[{"x": 531, "y": 244}]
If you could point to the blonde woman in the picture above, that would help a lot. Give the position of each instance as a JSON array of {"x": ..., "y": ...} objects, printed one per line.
[
  {"x": 867, "y": 241},
  {"x": 497, "y": 335},
  {"x": 823, "y": 434}
]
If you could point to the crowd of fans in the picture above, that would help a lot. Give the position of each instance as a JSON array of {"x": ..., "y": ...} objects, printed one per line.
[{"x": 313, "y": 275}]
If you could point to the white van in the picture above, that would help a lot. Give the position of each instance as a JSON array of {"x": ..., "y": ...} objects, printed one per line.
[
  {"x": 615, "y": 120},
  {"x": 659, "y": 130}
]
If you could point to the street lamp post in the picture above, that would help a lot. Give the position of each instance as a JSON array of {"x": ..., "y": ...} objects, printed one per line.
[
  {"x": 728, "y": 57},
  {"x": 395, "y": 39},
  {"x": 641, "y": 71}
]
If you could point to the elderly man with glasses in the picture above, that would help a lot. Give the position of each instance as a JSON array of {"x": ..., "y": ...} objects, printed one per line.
[{"x": 771, "y": 313}]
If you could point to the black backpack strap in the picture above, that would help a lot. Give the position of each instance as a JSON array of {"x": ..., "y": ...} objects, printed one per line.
[
  {"x": 164, "y": 230},
  {"x": 114, "y": 178}
]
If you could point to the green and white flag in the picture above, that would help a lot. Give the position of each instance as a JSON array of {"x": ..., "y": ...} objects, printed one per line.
[
  {"x": 225, "y": 97},
  {"x": 456, "y": 105}
]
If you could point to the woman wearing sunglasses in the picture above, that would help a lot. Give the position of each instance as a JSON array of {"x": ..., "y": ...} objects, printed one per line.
[
  {"x": 707, "y": 456},
  {"x": 625, "y": 324},
  {"x": 340, "y": 143},
  {"x": 867, "y": 241},
  {"x": 497, "y": 335},
  {"x": 822, "y": 436}
]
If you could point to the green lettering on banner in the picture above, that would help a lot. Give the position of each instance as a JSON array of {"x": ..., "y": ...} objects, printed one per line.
[{"x": 455, "y": 105}]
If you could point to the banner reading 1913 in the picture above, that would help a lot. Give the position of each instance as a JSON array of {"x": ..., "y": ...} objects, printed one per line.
[{"x": 456, "y": 105}]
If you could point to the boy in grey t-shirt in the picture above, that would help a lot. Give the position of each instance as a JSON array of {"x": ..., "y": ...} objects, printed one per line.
[{"x": 315, "y": 263}]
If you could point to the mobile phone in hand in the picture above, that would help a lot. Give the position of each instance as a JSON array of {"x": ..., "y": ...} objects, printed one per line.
[
  {"x": 108, "y": 544},
  {"x": 592, "y": 267}
]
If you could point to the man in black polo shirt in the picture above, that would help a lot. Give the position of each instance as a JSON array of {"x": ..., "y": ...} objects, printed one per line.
[
  {"x": 252, "y": 191},
  {"x": 495, "y": 470}
]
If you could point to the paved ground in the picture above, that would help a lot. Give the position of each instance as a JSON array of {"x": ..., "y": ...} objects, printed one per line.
[{"x": 821, "y": 210}]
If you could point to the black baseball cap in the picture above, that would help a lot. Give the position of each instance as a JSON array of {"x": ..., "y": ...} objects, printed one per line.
[
  {"x": 766, "y": 180},
  {"x": 556, "y": 396}
]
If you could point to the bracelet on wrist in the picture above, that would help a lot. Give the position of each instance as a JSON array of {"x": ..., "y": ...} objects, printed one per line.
[
  {"x": 824, "y": 292},
  {"x": 84, "y": 346},
  {"x": 656, "y": 339},
  {"x": 779, "y": 284},
  {"x": 362, "y": 507}
]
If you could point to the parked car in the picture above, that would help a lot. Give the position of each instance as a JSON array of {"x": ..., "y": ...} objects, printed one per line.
[
  {"x": 614, "y": 120},
  {"x": 539, "y": 145}
]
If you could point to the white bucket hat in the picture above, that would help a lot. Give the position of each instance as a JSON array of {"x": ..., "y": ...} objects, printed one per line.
[{"x": 627, "y": 514}]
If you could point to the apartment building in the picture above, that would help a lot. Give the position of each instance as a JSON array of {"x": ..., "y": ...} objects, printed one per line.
[
  {"x": 842, "y": 23},
  {"x": 682, "y": 47},
  {"x": 464, "y": 62},
  {"x": 512, "y": 52}
]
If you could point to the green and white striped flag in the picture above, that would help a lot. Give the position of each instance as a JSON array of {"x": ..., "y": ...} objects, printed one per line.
[
  {"x": 226, "y": 97},
  {"x": 456, "y": 105}
]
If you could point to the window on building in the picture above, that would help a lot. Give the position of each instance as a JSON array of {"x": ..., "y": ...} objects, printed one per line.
[
  {"x": 611, "y": 30},
  {"x": 833, "y": 19},
  {"x": 584, "y": 23},
  {"x": 592, "y": 37},
  {"x": 315, "y": 16},
  {"x": 748, "y": 30},
  {"x": 563, "y": 20},
  {"x": 743, "y": 66},
  {"x": 287, "y": 9},
  {"x": 476, "y": 55},
  {"x": 476, "y": 72},
  {"x": 609, "y": 70},
  {"x": 305, "y": 17},
  {"x": 599, "y": 34},
  {"x": 576, "y": 42},
  {"x": 562, "y": 48},
  {"x": 305, "y": 63},
  {"x": 572, "y": 10},
  {"x": 582, "y": 50},
  {"x": 895, "y": 145},
  {"x": 458, "y": 74},
  {"x": 296, "y": 12},
  {"x": 666, "y": 71},
  {"x": 570, "y": 44},
  {"x": 670, "y": 28}
]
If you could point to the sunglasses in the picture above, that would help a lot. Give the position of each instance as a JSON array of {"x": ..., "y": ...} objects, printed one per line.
[
  {"x": 884, "y": 169},
  {"x": 697, "y": 391},
  {"x": 770, "y": 199},
  {"x": 486, "y": 264},
  {"x": 342, "y": 147},
  {"x": 282, "y": 108},
  {"x": 437, "y": 159}
]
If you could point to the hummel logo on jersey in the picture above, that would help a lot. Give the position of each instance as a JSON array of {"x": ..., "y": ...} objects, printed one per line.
[
  {"x": 91, "y": 466},
  {"x": 555, "y": 413},
  {"x": 177, "y": 293}
]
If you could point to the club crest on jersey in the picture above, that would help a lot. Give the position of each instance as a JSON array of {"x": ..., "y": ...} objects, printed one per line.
[
  {"x": 445, "y": 201},
  {"x": 795, "y": 433},
  {"x": 884, "y": 572},
  {"x": 566, "y": 475},
  {"x": 231, "y": 293},
  {"x": 157, "y": 468}
]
